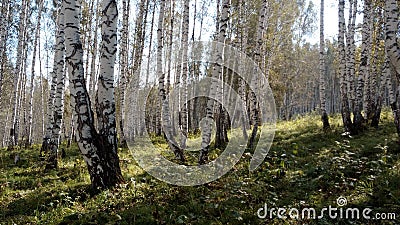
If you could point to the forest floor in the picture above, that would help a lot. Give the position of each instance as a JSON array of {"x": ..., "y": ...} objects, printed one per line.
[{"x": 305, "y": 168}]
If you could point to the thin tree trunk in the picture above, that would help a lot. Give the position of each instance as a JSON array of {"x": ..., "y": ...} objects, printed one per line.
[
  {"x": 165, "y": 114},
  {"x": 93, "y": 70},
  {"x": 185, "y": 71},
  {"x": 58, "y": 107},
  {"x": 379, "y": 102},
  {"x": 18, "y": 75},
  {"x": 4, "y": 21},
  {"x": 257, "y": 58},
  {"x": 37, "y": 34},
  {"x": 393, "y": 53},
  {"x": 391, "y": 43},
  {"x": 324, "y": 115},
  {"x": 217, "y": 70},
  {"x": 350, "y": 63},
  {"x": 348, "y": 125},
  {"x": 366, "y": 58},
  {"x": 123, "y": 70}
]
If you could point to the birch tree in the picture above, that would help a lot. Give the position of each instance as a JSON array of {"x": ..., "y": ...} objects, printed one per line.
[
  {"x": 165, "y": 114},
  {"x": 391, "y": 42},
  {"x": 345, "y": 111},
  {"x": 324, "y": 115},
  {"x": 366, "y": 61},
  {"x": 185, "y": 71},
  {"x": 98, "y": 149},
  {"x": 217, "y": 69},
  {"x": 350, "y": 63},
  {"x": 18, "y": 73},
  {"x": 58, "y": 82},
  {"x": 123, "y": 56},
  {"x": 4, "y": 21},
  {"x": 393, "y": 51},
  {"x": 258, "y": 59},
  {"x": 33, "y": 72}
]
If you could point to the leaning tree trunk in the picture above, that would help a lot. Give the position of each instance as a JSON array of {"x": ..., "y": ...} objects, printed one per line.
[
  {"x": 324, "y": 115},
  {"x": 98, "y": 149}
]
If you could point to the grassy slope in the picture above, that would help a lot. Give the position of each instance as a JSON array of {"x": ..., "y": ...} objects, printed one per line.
[{"x": 304, "y": 168}]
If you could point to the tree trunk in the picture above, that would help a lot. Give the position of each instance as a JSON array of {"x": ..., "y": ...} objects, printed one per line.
[
  {"x": 98, "y": 150},
  {"x": 207, "y": 128},
  {"x": 348, "y": 125},
  {"x": 379, "y": 102},
  {"x": 257, "y": 58},
  {"x": 366, "y": 58},
  {"x": 4, "y": 21},
  {"x": 324, "y": 115},
  {"x": 165, "y": 113},
  {"x": 18, "y": 74},
  {"x": 185, "y": 72},
  {"x": 393, "y": 52},
  {"x": 93, "y": 69},
  {"x": 58, "y": 107},
  {"x": 123, "y": 57},
  {"x": 35, "y": 45},
  {"x": 391, "y": 43},
  {"x": 350, "y": 63}
]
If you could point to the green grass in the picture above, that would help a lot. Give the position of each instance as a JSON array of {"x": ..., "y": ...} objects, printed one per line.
[{"x": 305, "y": 167}]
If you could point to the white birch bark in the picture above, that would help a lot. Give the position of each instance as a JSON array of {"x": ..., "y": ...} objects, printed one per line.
[
  {"x": 100, "y": 157},
  {"x": 165, "y": 114},
  {"x": 33, "y": 72},
  {"x": 258, "y": 59},
  {"x": 350, "y": 63},
  {"x": 58, "y": 107},
  {"x": 18, "y": 74},
  {"x": 185, "y": 71},
  {"x": 207, "y": 128},
  {"x": 391, "y": 43},
  {"x": 4, "y": 21},
  {"x": 123, "y": 57},
  {"x": 342, "y": 70},
  {"x": 322, "y": 70},
  {"x": 393, "y": 53},
  {"x": 366, "y": 58}
]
